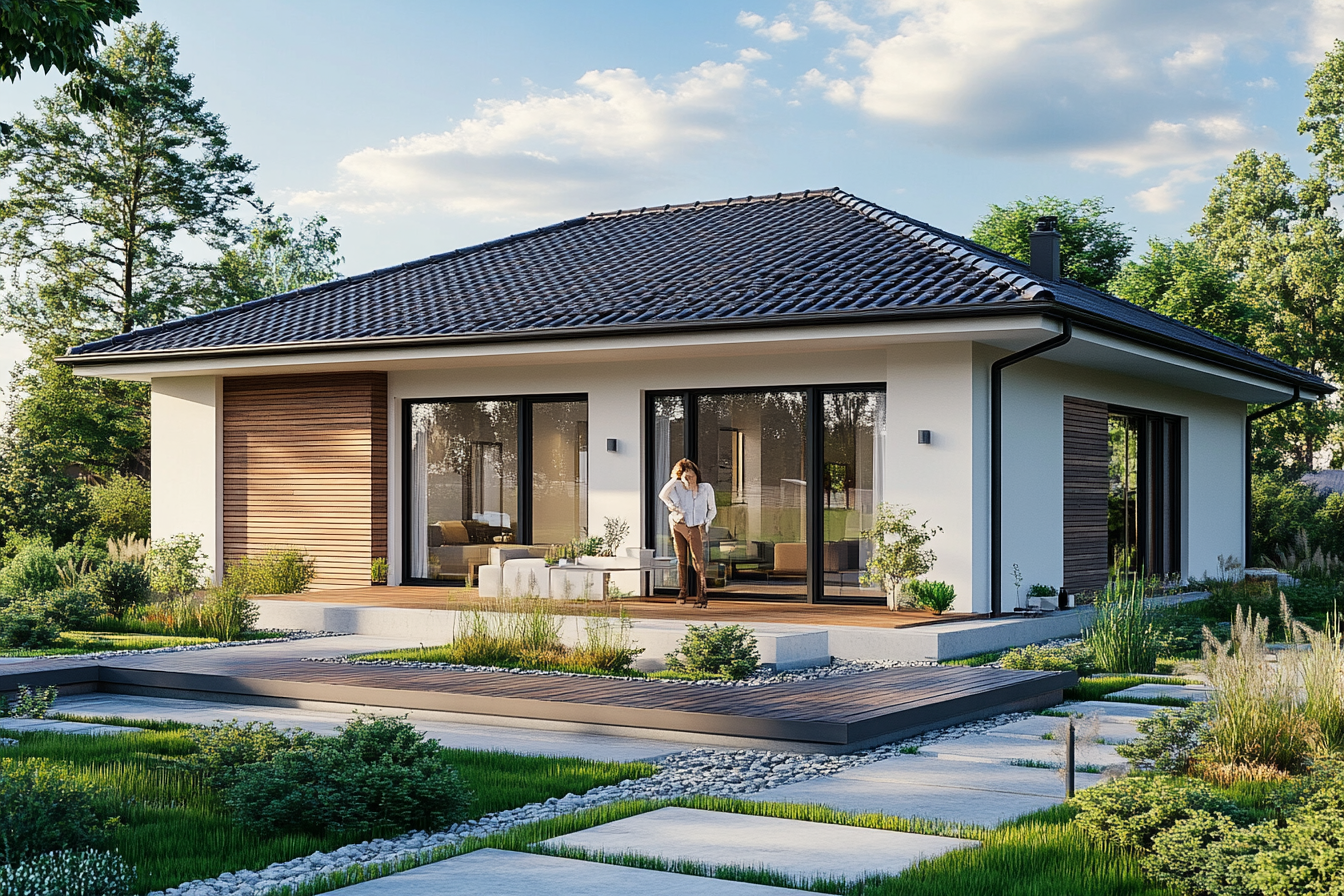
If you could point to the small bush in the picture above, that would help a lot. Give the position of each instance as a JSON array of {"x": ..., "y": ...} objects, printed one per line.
[
  {"x": 224, "y": 747},
  {"x": 935, "y": 596},
  {"x": 1204, "y": 853},
  {"x": 67, "y": 608},
  {"x": 32, "y": 703},
  {"x": 120, "y": 585},
  {"x": 44, "y": 810},
  {"x": 1169, "y": 740},
  {"x": 121, "y": 506},
  {"x": 1071, "y": 658},
  {"x": 1124, "y": 636},
  {"x": 1130, "y": 812},
  {"x": 26, "y": 630},
  {"x": 227, "y": 613},
  {"x": 88, "y": 872},
  {"x": 34, "y": 571},
  {"x": 375, "y": 772},
  {"x": 278, "y": 571},
  {"x": 176, "y": 565},
  {"x": 729, "y": 650}
]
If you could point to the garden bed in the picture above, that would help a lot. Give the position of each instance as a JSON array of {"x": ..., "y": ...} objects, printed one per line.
[{"x": 174, "y": 827}]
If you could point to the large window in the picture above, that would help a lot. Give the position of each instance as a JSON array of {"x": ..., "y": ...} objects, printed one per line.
[
  {"x": 492, "y": 472},
  {"x": 1143, "y": 505},
  {"x": 795, "y": 475}
]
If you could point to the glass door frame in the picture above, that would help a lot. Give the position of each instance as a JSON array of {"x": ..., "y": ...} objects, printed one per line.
[
  {"x": 813, "y": 440},
  {"x": 523, "y": 528}
]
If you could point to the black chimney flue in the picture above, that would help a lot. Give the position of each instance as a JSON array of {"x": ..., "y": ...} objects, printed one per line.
[{"x": 1045, "y": 248}]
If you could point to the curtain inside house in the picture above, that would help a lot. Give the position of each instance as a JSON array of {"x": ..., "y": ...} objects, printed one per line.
[{"x": 419, "y": 497}]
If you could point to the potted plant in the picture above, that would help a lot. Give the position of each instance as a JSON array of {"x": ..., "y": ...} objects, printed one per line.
[
  {"x": 898, "y": 549},
  {"x": 378, "y": 571}
]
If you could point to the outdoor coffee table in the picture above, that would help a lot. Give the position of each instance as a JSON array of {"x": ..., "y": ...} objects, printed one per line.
[{"x": 646, "y": 571}]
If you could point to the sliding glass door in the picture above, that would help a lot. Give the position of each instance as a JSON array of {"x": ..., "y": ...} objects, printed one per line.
[
  {"x": 485, "y": 473},
  {"x": 795, "y": 474}
]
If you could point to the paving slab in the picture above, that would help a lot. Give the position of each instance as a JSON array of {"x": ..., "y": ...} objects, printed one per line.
[
  {"x": 925, "y": 787},
  {"x": 997, "y": 748},
  {"x": 1111, "y": 710},
  {"x": 537, "y": 741},
  {"x": 803, "y": 849},
  {"x": 1111, "y": 730},
  {"x": 23, "y": 725},
  {"x": 497, "y": 872},
  {"x": 1196, "y": 692}
]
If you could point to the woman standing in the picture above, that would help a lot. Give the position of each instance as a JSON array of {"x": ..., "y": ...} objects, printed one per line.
[{"x": 690, "y": 506}]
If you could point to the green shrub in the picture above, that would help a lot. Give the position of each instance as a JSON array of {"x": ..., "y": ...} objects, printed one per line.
[
  {"x": 278, "y": 571},
  {"x": 88, "y": 872},
  {"x": 1130, "y": 812},
  {"x": 1204, "y": 854},
  {"x": 31, "y": 703},
  {"x": 34, "y": 570},
  {"x": 1072, "y": 657},
  {"x": 120, "y": 585},
  {"x": 375, "y": 772},
  {"x": 67, "y": 608},
  {"x": 935, "y": 596},
  {"x": 122, "y": 508},
  {"x": 1039, "y": 590},
  {"x": 223, "y": 748},
  {"x": 24, "y": 629},
  {"x": 1170, "y": 739},
  {"x": 1306, "y": 855},
  {"x": 44, "y": 810},
  {"x": 1124, "y": 636},
  {"x": 729, "y": 650},
  {"x": 176, "y": 565},
  {"x": 227, "y": 613}
]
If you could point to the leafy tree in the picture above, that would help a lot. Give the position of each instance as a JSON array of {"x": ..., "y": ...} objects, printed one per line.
[
  {"x": 1184, "y": 281},
  {"x": 1091, "y": 249},
  {"x": 280, "y": 257},
  {"x": 57, "y": 34},
  {"x": 92, "y": 227}
]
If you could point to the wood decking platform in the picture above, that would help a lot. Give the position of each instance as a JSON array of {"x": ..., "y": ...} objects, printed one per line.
[{"x": 835, "y": 714}]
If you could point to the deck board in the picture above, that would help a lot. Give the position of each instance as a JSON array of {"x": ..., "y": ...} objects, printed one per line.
[{"x": 833, "y": 712}]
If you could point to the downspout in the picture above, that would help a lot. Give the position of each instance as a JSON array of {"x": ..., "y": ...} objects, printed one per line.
[
  {"x": 1251, "y": 418},
  {"x": 996, "y": 458}
]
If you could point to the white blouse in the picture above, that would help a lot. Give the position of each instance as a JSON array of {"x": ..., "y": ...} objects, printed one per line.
[{"x": 684, "y": 506}]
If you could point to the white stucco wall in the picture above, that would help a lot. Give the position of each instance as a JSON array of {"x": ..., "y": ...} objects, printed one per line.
[
  {"x": 186, "y": 438},
  {"x": 1212, "y": 480}
]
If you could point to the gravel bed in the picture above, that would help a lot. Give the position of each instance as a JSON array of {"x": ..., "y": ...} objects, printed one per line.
[
  {"x": 184, "y": 648},
  {"x": 838, "y": 667},
  {"x": 715, "y": 772}
]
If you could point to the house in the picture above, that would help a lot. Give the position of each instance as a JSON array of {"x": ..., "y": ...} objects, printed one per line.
[{"x": 815, "y": 353}]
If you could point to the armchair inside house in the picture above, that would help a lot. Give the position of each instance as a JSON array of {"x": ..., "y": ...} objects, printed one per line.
[
  {"x": 790, "y": 561},
  {"x": 458, "y": 547}
]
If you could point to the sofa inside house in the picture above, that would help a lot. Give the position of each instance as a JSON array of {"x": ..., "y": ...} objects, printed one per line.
[{"x": 457, "y": 548}]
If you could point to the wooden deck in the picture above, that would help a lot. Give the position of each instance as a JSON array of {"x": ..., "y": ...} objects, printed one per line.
[
  {"x": 429, "y": 597},
  {"x": 834, "y": 715}
]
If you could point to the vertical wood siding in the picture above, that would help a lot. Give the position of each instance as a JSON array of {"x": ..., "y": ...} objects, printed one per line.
[
  {"x": 305, "y": 465},
  {"x": 1086, "y": 485}
]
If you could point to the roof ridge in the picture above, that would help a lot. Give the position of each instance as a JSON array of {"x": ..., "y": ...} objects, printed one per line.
[
  {"x": 939, "y": 241},
  {"x": 710, "y": 203}
]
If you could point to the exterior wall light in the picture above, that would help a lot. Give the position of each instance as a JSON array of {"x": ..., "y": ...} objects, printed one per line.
[
  {"x": 612, "y": 445},
  {"x": 925, "y": 437}
]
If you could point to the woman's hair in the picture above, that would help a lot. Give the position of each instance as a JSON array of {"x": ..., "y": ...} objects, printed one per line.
[{"x": 680, "y": 467}]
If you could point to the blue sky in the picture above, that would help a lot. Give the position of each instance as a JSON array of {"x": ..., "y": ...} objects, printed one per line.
[{"x": 420, "y": 127}]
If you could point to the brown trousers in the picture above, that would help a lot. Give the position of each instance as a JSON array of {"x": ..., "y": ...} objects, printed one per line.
[{"x": 690, "y": 541}]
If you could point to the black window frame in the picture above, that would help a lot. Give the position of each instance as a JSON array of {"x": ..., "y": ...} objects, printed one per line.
[
  {"x": 1160, "y": 511},
  {"x": 523, "y": 528},
  {"x": 814, "y": 437}
]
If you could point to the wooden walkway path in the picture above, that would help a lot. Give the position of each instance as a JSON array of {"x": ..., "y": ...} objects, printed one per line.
[{"x": 839, "y": 713}]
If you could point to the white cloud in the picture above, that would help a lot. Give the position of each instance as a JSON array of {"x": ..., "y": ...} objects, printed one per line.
[
  {"x": 547, "y": 154},
  {"x": 1325, "y": 23},
  {"x": 836, "y": 90},
  {"x": 779, "y": 31},
  {"x": 1168, "y": 195},
  {"x": 1265, "y": 83},
  {"x": 1203, "y": 52},
  {"x": 832, "y": 19},
  {"x": 1168, "y": 143},
  {"x": 751, "y": 54}
]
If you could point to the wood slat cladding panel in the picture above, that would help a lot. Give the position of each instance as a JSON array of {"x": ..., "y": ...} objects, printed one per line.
[
  {"x": 1086, "y": 485},
  {"x": 305, "y": 464}
]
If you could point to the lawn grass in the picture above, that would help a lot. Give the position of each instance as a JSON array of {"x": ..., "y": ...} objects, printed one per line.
[
  {"x": 980, "y": 659},
  {"x": 103, "y": 642},
  {"x": 445, "y": 654},
  {"x": 1098, "y": 687},
  {"x": 174, "y": 829},
  {"x": 1040, "y": 854}
]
